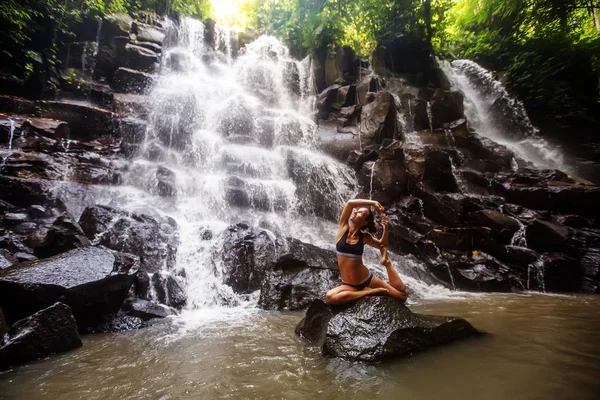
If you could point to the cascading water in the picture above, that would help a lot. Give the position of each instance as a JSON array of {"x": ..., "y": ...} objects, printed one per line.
[
  {"x": 9, "y": 151},
  {"x": 236, "y": 148},
  {"x": 493, "y": 113}
]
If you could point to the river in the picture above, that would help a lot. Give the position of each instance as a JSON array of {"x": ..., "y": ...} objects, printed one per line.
[{"x": 537, "y": 347}]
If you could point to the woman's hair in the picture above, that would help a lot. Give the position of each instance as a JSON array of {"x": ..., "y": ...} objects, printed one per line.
[{"x": 370, "y": 225}]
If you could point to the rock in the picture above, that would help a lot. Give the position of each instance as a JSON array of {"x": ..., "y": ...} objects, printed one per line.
[
  {"x": 87, "y": 123},
  {"x": 503, "y": 227},
  {"x": 559, "y": 273},
  {"x": 49, "y": 128},
  {"x": 148, "y": 33},
  {"x": 168, "y": 290},
  {"x": 51, "y": 330},
  {"x": 247, "y": 256},
  {"x": 480, "y": 273},
  {"x": 117, "y": 24},
  {"x": 153, "y": 238},
  {"x": 142, "y": 285},
  {"x": 300, "y": 275},
  {"x": 378, "y": 120},
  {"x": 130, "y": 104},
  {"x": 147, "y": 310},
  {"x": 119, "y": 323},
  {"x": 346, "y": 96},
  {"x": 3, "y": 325},
  {"x": 64, "y": 235},
  {"x": 378, "y": 328},
  {"x": 127, "y": 80},
  {"x": 92, "y": 281},
  {"x": 590, "y": 268},
  {"x": 16, "y": 105},
  {"x": 140, "y": 58},
  {"x": 325, "y": 100},
  {"x": 543, "y": 235}
]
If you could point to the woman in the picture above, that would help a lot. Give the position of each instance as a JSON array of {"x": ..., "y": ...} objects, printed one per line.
[{"x": 357, "y": 280}]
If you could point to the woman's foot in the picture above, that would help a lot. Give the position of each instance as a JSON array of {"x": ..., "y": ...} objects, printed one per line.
[{"x": 384, "y": 257}]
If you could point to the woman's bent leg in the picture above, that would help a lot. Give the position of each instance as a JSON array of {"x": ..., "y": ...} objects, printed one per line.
[{"x": 346, "y": 294}]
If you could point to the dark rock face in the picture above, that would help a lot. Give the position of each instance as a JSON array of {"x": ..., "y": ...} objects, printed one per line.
[
  {"x": 64, "y": 235},
  {"x": 119, "y": 323},
  {"x": 51, "y": 330},
  {"x": 3, "y": 324},
  {"x": 377, "y": 328},
  {"x": 92, "y": 281},
  {"x": 86, "y": 122},
  {"x": 168, "y": 290},
  {"x": 153, "y": 238},
  {"x": 300, "y": 275},
  {"x": 247, "y": 256},
  {"x": 128, "y": 80},
  {"x": 378, "y": 120}
]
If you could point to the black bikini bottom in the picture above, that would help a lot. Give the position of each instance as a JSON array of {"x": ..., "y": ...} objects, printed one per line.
[{"x": 360, "y": 285}]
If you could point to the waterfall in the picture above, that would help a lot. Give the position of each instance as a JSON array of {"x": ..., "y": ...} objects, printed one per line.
[
  {"x": 234, "y": 139},
  {"x": 493, "y": 113}
]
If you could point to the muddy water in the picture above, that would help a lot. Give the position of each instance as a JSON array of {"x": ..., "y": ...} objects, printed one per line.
[{"x": 539, "y": 347}]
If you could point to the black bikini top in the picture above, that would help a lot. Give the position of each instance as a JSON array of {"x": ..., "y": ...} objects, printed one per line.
[{"x": 350, "y": 250}]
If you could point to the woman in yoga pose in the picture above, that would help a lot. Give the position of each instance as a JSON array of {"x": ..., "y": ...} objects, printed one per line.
[{"x": 357, "y": 280}]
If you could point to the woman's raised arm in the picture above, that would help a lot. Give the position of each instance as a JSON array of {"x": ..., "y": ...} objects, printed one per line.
[{"x": 354, "y": 203}]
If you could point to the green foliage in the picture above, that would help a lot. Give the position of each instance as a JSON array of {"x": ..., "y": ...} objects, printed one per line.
[{"x": 548, "y": 49}]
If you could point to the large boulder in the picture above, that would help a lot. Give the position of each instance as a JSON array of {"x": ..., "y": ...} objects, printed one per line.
[
  {"x": 378, "y": 120},
  {"x": 92, "y": 281},
  {"x": 140, "y": 58},
  {"x": 153, "y": 238},
  {"x": 64, "y": 235},
  {"x": 300, "y": 275},
  {"x": 377, "y": 328},
  {"x": 247, "y": 255},
  {"x": 503, "y": 227},
  {"x": 168, "y": 290},
  {"x": 149, "y": 33},
  {"x": 51, "y": 330}
]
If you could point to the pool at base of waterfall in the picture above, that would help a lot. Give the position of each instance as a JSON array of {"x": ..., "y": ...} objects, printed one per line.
[{"x": 538, "y": 346}]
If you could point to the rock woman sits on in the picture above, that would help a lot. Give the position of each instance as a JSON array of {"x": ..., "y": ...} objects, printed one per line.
[{"x": 357, "y": 280}]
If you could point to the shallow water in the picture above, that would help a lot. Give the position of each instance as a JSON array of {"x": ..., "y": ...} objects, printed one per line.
[{"x": 538, "y": 346}]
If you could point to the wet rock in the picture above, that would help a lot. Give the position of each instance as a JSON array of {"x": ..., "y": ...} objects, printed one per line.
[
  {"x": 378, "y": 328},
  {"x": 543, "y": 235},
  {"x": 119, "y": 323},
  {"x": 140, "y": 58},
  {"x": 431, "y": 167},
  {"x": 86, "y": 121},
  {"x": 247, "y": 256},
  {"x": 64, "y": 235},
  {"x": 16, "y": 105},
  {"x": 378, "y": 120},
  {"x": 590, "y": 268},
  {"x": 50, "y": 128},
  {"x": 560, "y": 273},
  {"x": 51, "y": 330},
  {"x": 127, "y": 80},
  {"x": 142, "y": 285},
  {"x": 480, "y": 273},
  {"x": 388, "y": 181},
  {"x": 301, "y": 274},
  {"x": 339, "y": 145},
  {"x": 153, "y": 238},
  {"x": 117, "y": 24},
  {"x": 503, "y": 227},
  {"x": 26, "y": 192},
  {"x": 3, "y": 325},
  {"x": 325, "y": 100},
  {"x": 166, "y": 182},
  {"x": 148, "y": 33},
  {"x": 92, "y": 281},
  {"x": 168, "y": 290},
  {"x": 518, "y": 255},
  {"x": 130, "y": 104},
  {"x": 147, "y": 310}
]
